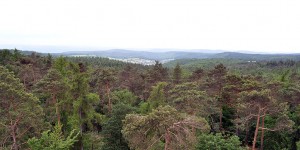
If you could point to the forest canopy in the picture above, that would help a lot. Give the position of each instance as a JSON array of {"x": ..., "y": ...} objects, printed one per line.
[{"x": 60, "y": 103}]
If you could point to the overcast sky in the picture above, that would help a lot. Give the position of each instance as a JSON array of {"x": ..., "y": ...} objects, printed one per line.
[{"x": 254, "y": 25}]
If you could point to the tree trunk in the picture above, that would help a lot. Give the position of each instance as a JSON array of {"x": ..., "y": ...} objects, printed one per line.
[
  {"x": 13, "y": 134},
  {"x": 193, "y": 128},
  {"x": 13, "y": 128},
  {"x": 256, "y": 129},
  {"x": 167, "y": 139},
  {"x": 247, "y": 134},
  {"x": 24, "y": 82},
  {"x": 81, "y": 129},
  {"x": 99, "y": 93},
  {"x": 33, "y": 74},
  {"x": 237, "y": 132},
  {"x": 262, "y": 132},
  {"x": 56, "y": 110},
  {"x": 220, "y": 119},
  {"x": 108, "y": 96}
]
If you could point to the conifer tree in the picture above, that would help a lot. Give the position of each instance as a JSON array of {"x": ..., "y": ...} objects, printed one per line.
[
  {"x": 112, "y": 128},
  {"x": 157, "y": 95},
  {"x": 187, "y": 97},
  {"x": 53, "y": 140},
  {"x": 177, "y": 74},
  {"x": 157, "y": 73},
  {"x": 163, "y": 126},
  {"x": 106, "y": 77},
  {"x": 130, "y": 78},
  {"x": 258, "y": 105},
  {"x": 215, "y": 84},
  {"x": 53, "y": 84},
  {"x": 84, "y": 101},
  {"x": 197, "y": 74},
  {"x": 20, "y": 112}
]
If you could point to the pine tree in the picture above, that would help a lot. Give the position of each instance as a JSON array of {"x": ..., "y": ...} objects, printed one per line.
[
  {"x": 130, "y": 78},
  {"x": 163, "y": 127},
  {"x": 158, "y": 73},
  {"x": 187, "y": 98},
  {"x": 177, "y": 74},
  {"x": 84, "y": 102},
  {"x": 258, "y": 105},
  {"x": 157, "y": 95},
  {"x": 53, "y": 140},
  {"x": 53, "y": 84},
  {"x": 215, "y": 84},
  {"x": 218, "y": 142},
  {"x": 20, "y": 112},
  {"x": 197, "y": 74},
  {"x": 106, "y": 77},
  {"x": 113, "y": 138}
]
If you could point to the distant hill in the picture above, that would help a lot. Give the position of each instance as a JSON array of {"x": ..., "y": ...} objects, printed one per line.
[
  {"x": 124, "y": 54},
  {"x": 257, "y": 57},
  {"x": 174, "y": 55}
]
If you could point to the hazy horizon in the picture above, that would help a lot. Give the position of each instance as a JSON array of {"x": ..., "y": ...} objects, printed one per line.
[
  {"x": 260, "y": 26},
  {"x": 62, "y": 49}
]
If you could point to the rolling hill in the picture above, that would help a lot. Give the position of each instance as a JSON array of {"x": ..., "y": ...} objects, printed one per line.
[{"x": 123, "y": 54}]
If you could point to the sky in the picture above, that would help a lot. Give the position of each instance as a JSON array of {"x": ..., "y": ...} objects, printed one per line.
[{"x": 271, "y": 26}]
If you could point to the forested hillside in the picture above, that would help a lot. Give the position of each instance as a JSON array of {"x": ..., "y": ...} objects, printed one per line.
[
  {"x": 59, "y": 103},
  {"x": 191, "y": 54}
]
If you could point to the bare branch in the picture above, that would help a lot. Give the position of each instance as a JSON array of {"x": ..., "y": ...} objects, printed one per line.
[{"x": 154, "y": 142}]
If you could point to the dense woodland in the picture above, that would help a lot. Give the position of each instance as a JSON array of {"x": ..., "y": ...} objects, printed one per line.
[{"x": 60, "y": 103}]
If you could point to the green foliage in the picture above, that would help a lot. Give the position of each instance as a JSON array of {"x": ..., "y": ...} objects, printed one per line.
[
  {"x": 158, "y": 73},
  {"x": 56, "y": 88},
  {"x": 177, "y": 74},
  {"x": 84, "y": 102},
  {"x": 5, "y": 56},
  {"x": 157, "y": 96},
  {"x": 20, "y": 111},
  {"x": 60, "y": 64},
  {"x": 277, "y": 140},
  {"x": 193, "y": 64},
  {"x": 163, "y": 123},
  {"x": 186, "y": 97},
  {"x": 284, "y": 76},
  {"x": 79, "y": 80},
  {"x": 263, "y": 105},
  {"x": 228, "y": 93},
  {"x": 218, "y": 142},
  {"x": 102, "y": 62},
  {"x": 144, "y": 107},
  {"x": 112, "y": 128},
  {"x": 106, "y": 76},
  {"x": 132, "y": 79},
  {"x": 84, "y": 112},
  {"x": 124, "y": 96},
  {"x": 53, "y": 140},
  {"x": 197, "y": 74},
  {"x": 92, "y": 140}
]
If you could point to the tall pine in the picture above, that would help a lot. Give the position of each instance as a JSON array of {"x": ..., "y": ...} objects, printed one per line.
[{"x": 20, "y": 112}]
